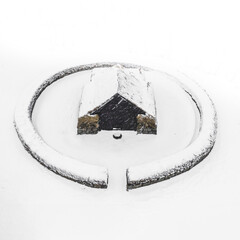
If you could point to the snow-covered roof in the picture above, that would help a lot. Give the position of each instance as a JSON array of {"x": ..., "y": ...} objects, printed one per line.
[{"x": 130, "y": 83}]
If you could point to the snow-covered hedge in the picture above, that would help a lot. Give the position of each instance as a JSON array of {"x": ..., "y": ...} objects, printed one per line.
[
  {"x": 201, "y": 146},
  {"x": 96, "y": 176},
  {"x": 73, "y": 169}
]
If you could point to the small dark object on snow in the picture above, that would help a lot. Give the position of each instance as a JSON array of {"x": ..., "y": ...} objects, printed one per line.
[{"x": 117, "y": 136}]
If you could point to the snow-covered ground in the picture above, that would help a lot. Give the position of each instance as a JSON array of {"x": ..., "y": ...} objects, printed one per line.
[
  {"x": 33, "y": 198},
  {"x": 56, "y": 113},
  {"x": 41, "y": 38}
]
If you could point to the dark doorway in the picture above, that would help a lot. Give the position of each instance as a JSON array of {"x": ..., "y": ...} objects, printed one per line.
[{"x": 118, "y": 113}]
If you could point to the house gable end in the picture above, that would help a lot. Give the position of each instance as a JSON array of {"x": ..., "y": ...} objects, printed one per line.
[{"x": 117, "y": 101}]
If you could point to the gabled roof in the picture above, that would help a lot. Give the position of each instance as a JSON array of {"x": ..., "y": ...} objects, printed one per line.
[
  {"x": 130, "y": 83},
  {"x": 119, "y": 100}
]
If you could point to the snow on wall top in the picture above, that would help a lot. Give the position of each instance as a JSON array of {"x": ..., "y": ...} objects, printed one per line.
[{"x": 130, "y": 83}]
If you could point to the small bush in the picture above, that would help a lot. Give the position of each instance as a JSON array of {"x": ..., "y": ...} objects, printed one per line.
[
  {"x": 146, "y": 124},
  {"x": 88, "y": 124}
]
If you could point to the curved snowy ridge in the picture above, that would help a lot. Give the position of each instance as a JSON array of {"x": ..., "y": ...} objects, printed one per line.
[
  {"x": 73, "y": 169},
  {"x": 96, "y": 176},
  {"x": 166, "y": 168}
]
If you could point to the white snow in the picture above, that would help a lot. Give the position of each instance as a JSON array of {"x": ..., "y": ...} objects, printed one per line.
[
  {"x": 65, "y": 166},
  {"x": 39, "y": 204},
  {"x": 40, "y": 38},
  {"x": 101, "y": 86},
  {"x": 141, "y": 175},
  {"x": 192, "y": 154},
  {"x": 58, "y": 106}
]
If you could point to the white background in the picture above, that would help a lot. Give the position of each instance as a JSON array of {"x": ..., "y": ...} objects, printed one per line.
[{"x": 200, "y": 38}]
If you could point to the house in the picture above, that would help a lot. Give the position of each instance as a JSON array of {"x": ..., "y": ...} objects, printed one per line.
[{"x": 117, "y": 98}]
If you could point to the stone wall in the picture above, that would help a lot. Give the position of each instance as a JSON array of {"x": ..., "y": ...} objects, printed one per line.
[
  {"x": 88, "y": 124},
  {"x": 146, "y": 124}
]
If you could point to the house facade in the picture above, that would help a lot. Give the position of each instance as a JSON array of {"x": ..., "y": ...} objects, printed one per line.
[{"x": 117, "y": 99}]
